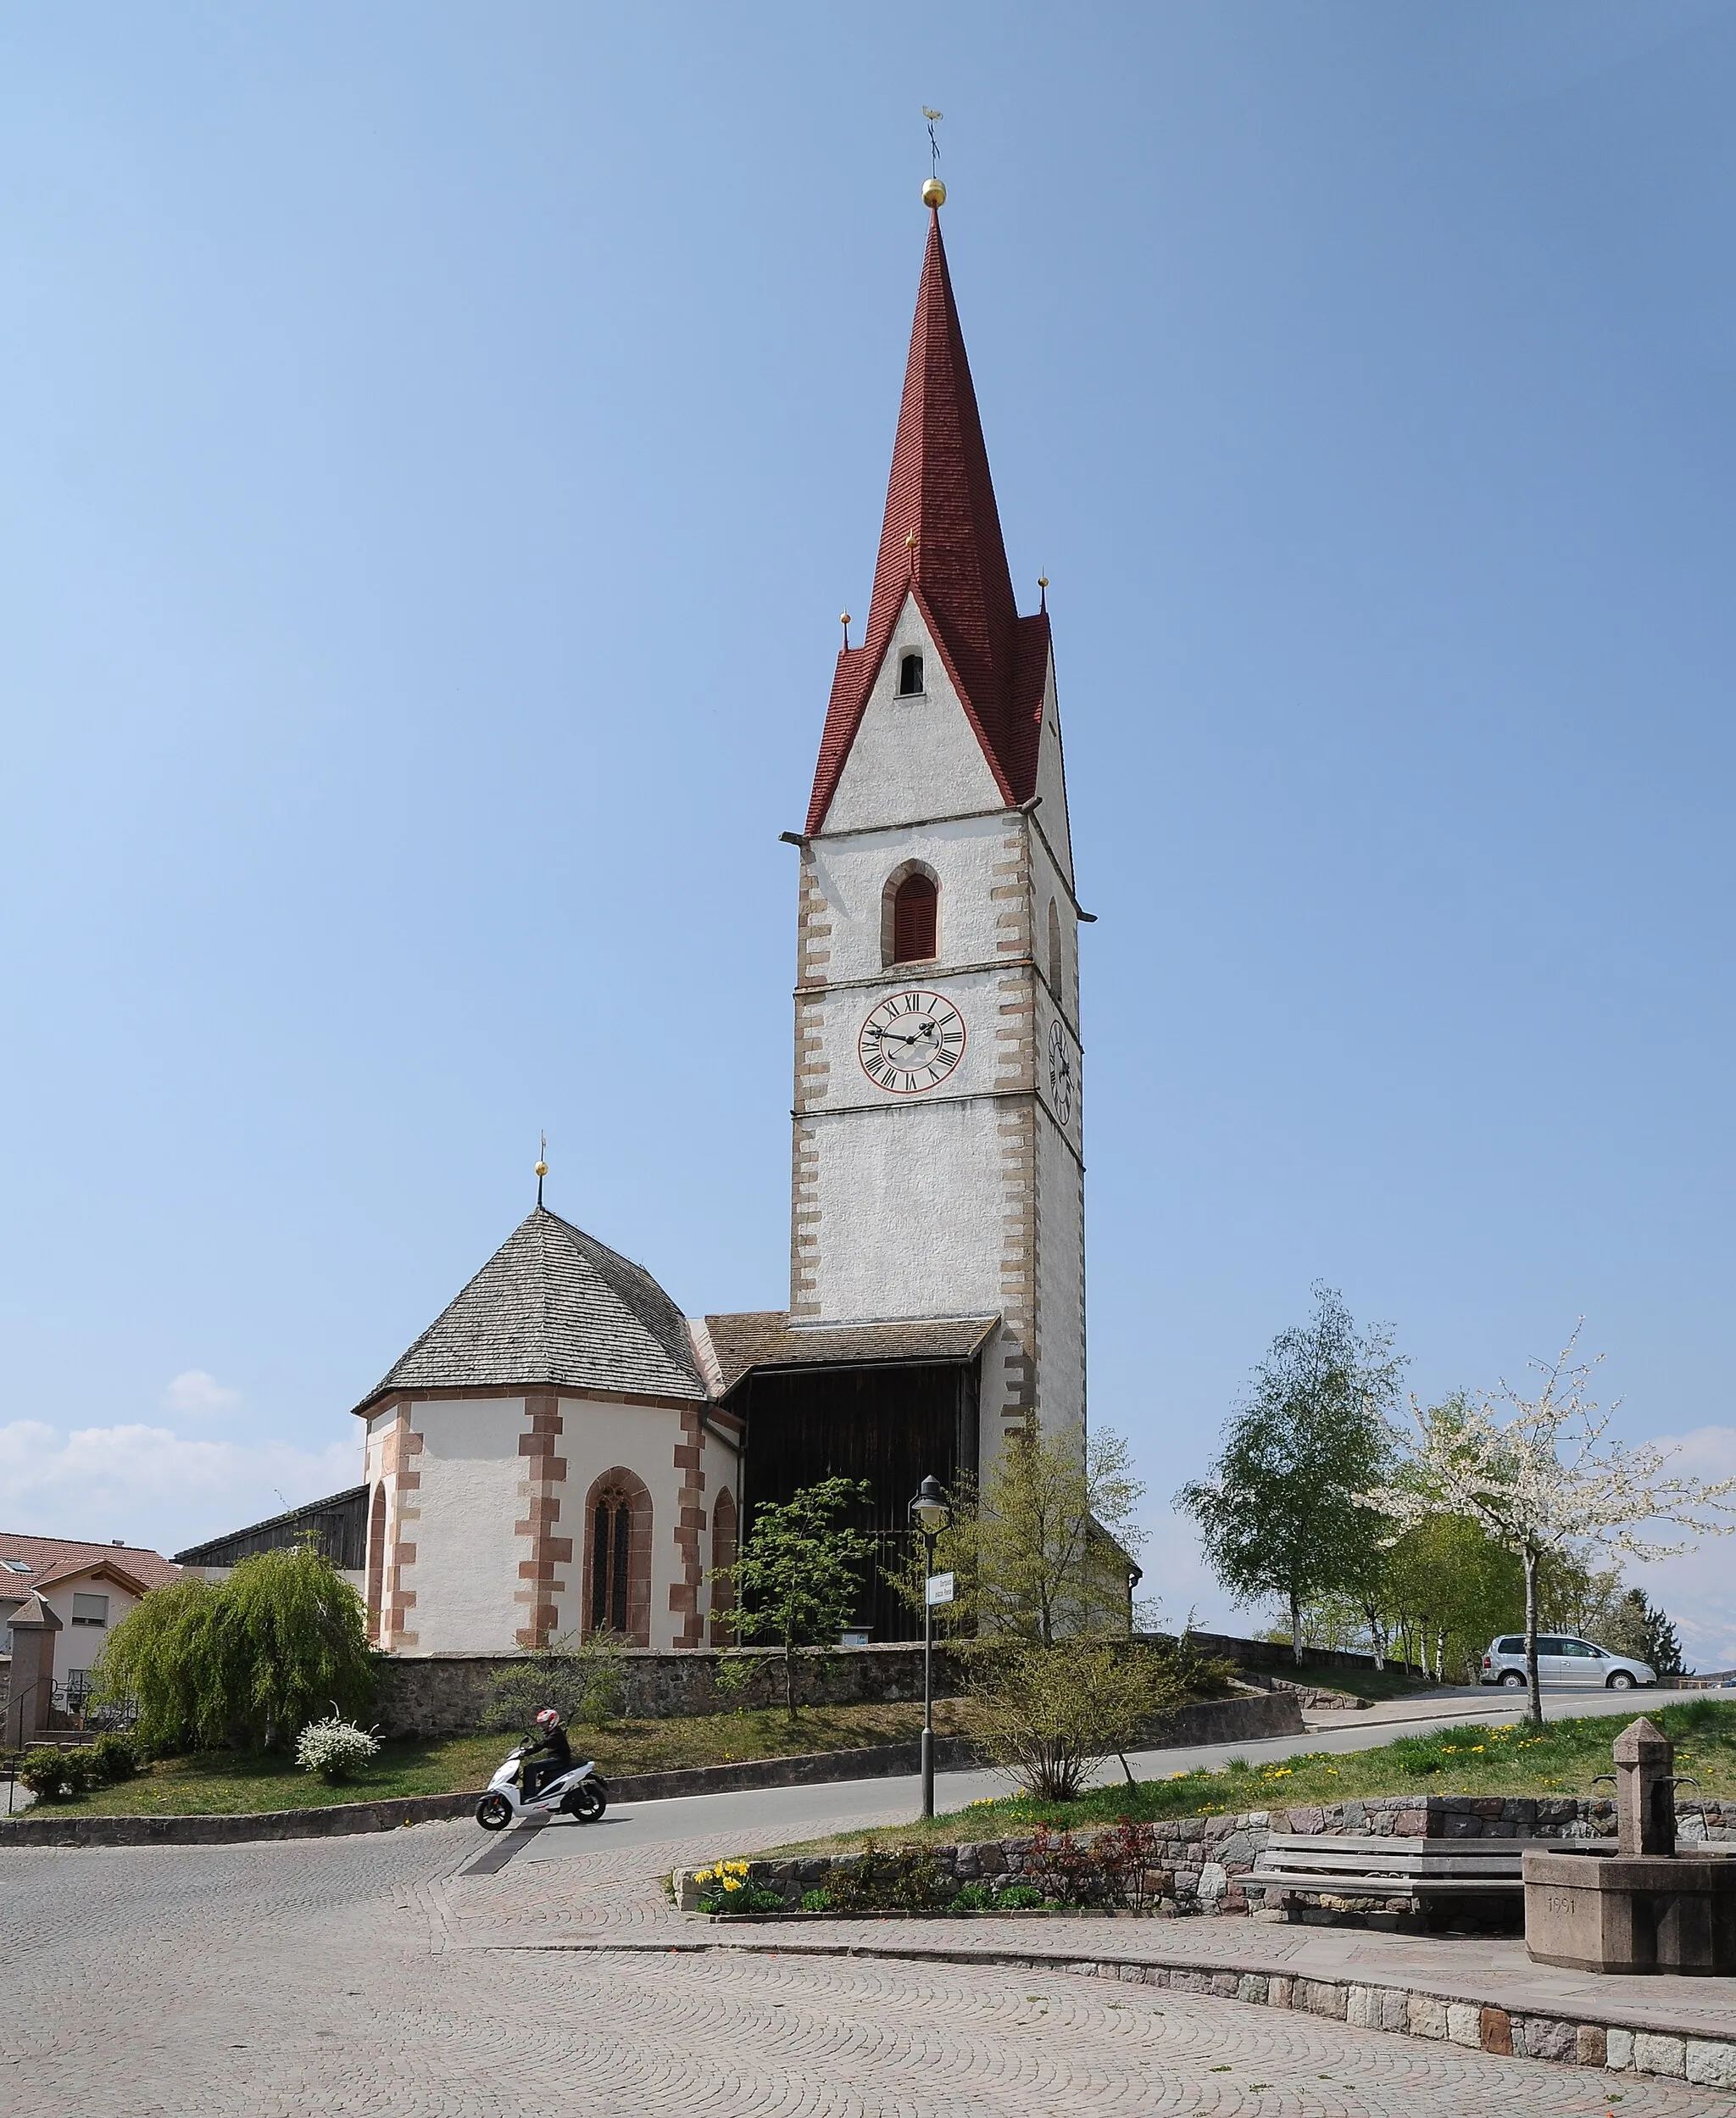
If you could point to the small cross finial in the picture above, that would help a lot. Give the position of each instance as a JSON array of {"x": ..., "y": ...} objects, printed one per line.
[
  {"x": 933, "y": 192},
  {"x": 542, "y": 1163},
  {"x": 843, "y": 619}
]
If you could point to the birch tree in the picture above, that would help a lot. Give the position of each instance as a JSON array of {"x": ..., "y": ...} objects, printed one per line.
[
  {"x": 1541, "y": 1476},
  {"x": 1277, "y": 1512}
]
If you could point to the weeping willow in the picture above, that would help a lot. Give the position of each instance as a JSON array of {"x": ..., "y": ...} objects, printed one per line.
[{"x": 245, "y": 1661}]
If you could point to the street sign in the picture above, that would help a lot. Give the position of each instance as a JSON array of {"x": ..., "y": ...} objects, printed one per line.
[{"x": 940, "y": 1588}]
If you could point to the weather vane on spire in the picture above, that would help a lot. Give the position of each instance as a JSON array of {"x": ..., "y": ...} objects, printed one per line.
[
  {"x": 933, "y": 192},
  {"x": 542, "y": 1163}
]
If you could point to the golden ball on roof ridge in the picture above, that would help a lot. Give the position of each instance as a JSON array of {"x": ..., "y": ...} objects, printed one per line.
[
  {"x": 541, "y": 1168},
  {"x": 933, "y": 193}
]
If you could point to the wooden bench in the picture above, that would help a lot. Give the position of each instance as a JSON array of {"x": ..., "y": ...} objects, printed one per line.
[{"x": 1320, "y": 1864}]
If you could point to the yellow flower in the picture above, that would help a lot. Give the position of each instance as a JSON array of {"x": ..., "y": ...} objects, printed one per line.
[{"x": 731, "y": 1883}]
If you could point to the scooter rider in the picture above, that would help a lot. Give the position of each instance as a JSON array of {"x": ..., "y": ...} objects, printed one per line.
[{"x": 554, "y": 1745}]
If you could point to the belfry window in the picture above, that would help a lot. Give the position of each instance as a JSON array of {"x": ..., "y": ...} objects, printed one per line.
[
  {"x": 915, "y": 918},
  {"x": 611, "y": 1545},
  {"x": 1054, "y": 950},
  {"x": 910, "y": 677}
]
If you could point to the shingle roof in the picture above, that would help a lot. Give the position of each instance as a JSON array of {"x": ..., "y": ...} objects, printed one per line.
[
  {"x": 940, "y": 541},
  {"x": 49, "y": 1560},
  {"x": 553, "y": 1306},
  {"x": 764, "y": 1338}
]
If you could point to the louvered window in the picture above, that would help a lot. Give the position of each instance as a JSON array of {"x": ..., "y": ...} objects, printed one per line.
[
  {"x": 610, "y": 1544},
  {"x": 914, "y": 920}
]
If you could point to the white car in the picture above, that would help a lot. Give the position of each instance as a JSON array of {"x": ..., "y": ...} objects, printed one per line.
[{"x": 1562, "y": 1660}]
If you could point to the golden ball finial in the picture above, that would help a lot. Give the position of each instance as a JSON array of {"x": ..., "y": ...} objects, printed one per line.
[
  {"x": 934, "y": 192},
  {"x": 541, "y": 1168}
]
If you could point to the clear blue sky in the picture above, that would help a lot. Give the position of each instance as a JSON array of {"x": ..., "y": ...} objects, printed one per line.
[{"x": 437, "y": 443}]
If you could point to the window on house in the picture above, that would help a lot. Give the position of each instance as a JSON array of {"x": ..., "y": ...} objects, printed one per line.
[
  {"x": 909, "y": 677},
  {"x": 915, "y": 917},
  {"x": 1054, "y": 949},
  {"x": 90, "y": 1610},
  {"x": 611, "y": 1545},
  {"x": 16, "y": 1566}
]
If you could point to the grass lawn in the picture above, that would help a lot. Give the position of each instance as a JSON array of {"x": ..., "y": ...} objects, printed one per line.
[
  {"x": 227, "y": 1783},
  {"x": 1559, "y": 1759}
]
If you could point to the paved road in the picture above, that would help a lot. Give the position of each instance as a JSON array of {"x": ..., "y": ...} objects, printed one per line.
[{"x": 414, "y": 1975}]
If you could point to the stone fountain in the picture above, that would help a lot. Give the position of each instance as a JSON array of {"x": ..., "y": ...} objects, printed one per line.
[{"x": 1645, "y": 1906}]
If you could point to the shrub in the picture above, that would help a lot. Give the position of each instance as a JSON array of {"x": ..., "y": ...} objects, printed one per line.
[
  {"x": 816, "y": 1901},
  {"x": 113, "y": 1759},
  {"x": 974, "y": 1896},
  {"x": 56, "y": 1776},
  {"x": 1019, "y": 1896},
  {"x": 335, "y": 1748},
  {"x": 1052, "y": 1713},
  {"x": 903, "y": 1878}
]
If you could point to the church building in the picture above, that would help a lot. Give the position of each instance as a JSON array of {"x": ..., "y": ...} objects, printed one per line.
[{"x": 562, "y": 1451}]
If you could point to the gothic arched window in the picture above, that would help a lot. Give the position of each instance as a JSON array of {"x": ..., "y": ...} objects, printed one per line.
[
  {"x": 618, "y": 1557},
  {"x": 915, "y": 918},
  {"x": 725, "y": 1524},
  {"x": 910, "y": 677}
]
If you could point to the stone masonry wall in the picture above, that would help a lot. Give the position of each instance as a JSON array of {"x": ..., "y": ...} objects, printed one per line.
[
  {"x": 1202, "y": 1866},
  {"x": 449, "y": 1695}
]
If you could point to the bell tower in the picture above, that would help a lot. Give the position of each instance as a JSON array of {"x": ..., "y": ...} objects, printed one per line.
[{"x": 938, "y": 1170}]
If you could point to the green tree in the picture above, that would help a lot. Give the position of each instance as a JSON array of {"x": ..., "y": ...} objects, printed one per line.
[
  {"x": 1044, "y": 1551},
  {"x": 1277, "y": 1512},
  {"x": 1639, "y": 1628},
  {"x": 799, "y": 1574},
  {"x": 246, "y": 1661}
]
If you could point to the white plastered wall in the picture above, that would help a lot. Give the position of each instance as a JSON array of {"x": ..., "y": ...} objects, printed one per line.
[
  {"x": 76, "y": 1647},
  {"x": 466, "y": 1574},
  {"x": 597, "y": 1435},
  {"x": 912, "y": 757}
]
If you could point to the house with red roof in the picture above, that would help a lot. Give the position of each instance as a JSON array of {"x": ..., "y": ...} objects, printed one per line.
[{"x": 60, "y": 1598}]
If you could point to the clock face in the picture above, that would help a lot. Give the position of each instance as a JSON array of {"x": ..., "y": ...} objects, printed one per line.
[
  {"x": 911, "y": 1042},
  {"x": 1060, "y": 1073}
]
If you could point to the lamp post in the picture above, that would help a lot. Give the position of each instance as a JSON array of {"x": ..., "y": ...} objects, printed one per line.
[{"x": 931, "y": 1512}]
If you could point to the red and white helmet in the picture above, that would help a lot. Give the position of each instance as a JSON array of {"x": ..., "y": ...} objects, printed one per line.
[{"x": 548, "y": 1718}]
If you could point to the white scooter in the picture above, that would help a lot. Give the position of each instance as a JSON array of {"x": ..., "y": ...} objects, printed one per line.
[{"x": 577, "y": 1793}]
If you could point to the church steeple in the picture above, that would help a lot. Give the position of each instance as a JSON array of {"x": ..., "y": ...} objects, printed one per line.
[{"x": 940, "y": 542}]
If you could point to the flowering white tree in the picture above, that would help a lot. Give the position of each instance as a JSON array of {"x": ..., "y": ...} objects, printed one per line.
[{"x": 1539, "y": 1475}]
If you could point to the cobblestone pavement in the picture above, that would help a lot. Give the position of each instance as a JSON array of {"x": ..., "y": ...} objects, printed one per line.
[{"x": 376, "y": 1976}]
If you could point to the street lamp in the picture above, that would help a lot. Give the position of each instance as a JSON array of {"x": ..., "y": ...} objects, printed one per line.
[{"x": 931, "y": 1511}]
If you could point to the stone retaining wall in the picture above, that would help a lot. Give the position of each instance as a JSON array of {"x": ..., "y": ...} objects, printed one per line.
[
  {"x": 1202, "y": 1866},
  {"x": 449, "y": 1695}
]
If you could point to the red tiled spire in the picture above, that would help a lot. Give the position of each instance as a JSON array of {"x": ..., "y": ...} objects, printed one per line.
[{"x": 940, "y": 495}]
